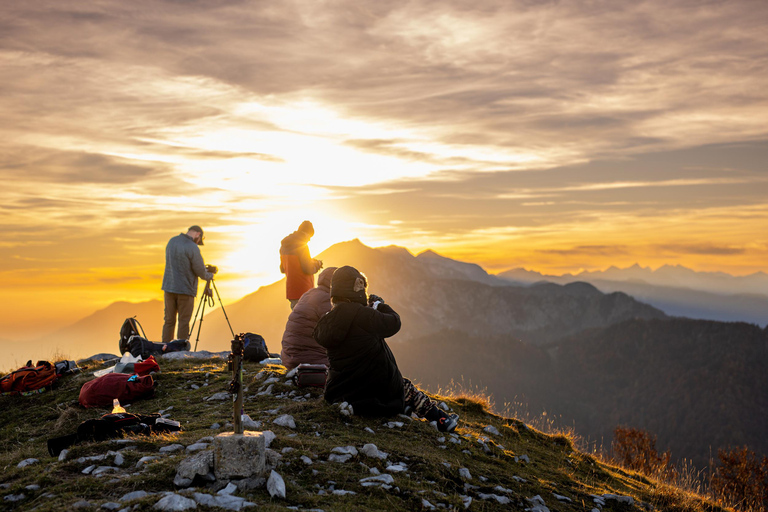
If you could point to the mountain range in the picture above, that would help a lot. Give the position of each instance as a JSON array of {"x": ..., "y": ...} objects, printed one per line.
[{"x": 594, "y": 360}]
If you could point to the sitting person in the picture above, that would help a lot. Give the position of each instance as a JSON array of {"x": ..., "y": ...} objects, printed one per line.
[
  {"x": 363, "y": 371},
  {"x": 298, "y": 344}
]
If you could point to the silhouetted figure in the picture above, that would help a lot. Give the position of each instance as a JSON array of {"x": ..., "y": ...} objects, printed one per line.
[{"x": 296, "y": 263}]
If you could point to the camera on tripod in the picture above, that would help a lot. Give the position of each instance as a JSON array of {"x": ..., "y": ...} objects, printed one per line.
[{"x": 211, "y": 268}]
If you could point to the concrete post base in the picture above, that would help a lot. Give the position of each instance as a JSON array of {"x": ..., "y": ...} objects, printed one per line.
[{"x": 239, "y": 455}]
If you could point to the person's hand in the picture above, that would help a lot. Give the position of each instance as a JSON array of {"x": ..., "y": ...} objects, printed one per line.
[
  {"x": 207, "y": 292},
  {"x": 212, "y": 268},
  {"x": 373, "y": 299}
]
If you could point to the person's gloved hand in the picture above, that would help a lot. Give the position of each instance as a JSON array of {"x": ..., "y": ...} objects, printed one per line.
[
  {"x": 208, "y": 292},
  {"x": 373, "y": 299}
]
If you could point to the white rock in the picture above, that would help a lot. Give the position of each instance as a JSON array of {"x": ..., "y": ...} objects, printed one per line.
[
  {"x": 335, "y": 457},
  {"x": 519, "y": 479},
  {"x": 135, "y": 495},
  {"x": 119, "y": 459},
  {"x": 465, "y": 474},
  {"x": 502, "y": 500},
  {"x": 249, "y": 423},
  {"x": 621, "y": 499},
  {"x": 229, "y": 489},
  {"x": 306, "y": 460},
  {"x": 82, "y": 504},
  {"x": 378, "y": 479},
  {"x": 398, "y": 424},
  {"x": 286, "y": 420},
  {"x": 63, "y": 454},
  {"x": 291, "y": 374},
  {"x": 490, "y": 429},
  {"x": 171, "y": 448},
  {"x": 33, "y": 487},
  {"x": 560, "y": 497},
  {"x": 174, "y": 502},
  {"x": 227, "y": 502},
  {"x": 271, "y": 380},
  {"x": 215, "y": 426},
  {"x": 427, "y": 505},
  {"x": 111, "y": 505},
  {"x": 269, "y": 436},
  {"x": 14, "y": 497},
  {"x": 370, "y": 450},
  {"x": 344, "y": 450},
  {"x": 397, "y": 468},
  {"x": 27, "y": 462},
  {"x": 103, "y": 469},
  {"x": 465, "y": 500},
  {"x": 276, "y": 485},
  {"x": 219, "y": 396},
  {"x": 341, "y": 492},
  {"x": 197, "y": 447},
  {"x": 89, "y": 469},
  {"x": 369, "y": 430},
  {"x": 503, "y": 489},
  {"x": 145, "y": 460}
]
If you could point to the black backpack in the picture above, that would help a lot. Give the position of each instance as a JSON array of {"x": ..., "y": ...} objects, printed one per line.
[
  {"x": 130, "y": 328},
  {"x": 255, "y": 347},
  {"x": 139, "y": 346}
]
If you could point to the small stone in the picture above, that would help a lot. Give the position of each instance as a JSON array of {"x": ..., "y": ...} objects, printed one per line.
[
  {"x": 89, "y": 469},
  {"x": 197, "y": 447},
  {"x": 33, "y": 487},
  {"x": 398, "y": 424},
  {"x": 229, "y": 489},
  {"x": 27, "y": 462},
  {"x": 111, "y": 505},
  {"x": 215, "y": 426},
  {"x": 171, "y": 448},
  {"x": 335, "y": 457},
  {"x": 249, "y": 423},
  {"x": 490, "y": 429},
  {"x": 344, "y": 450},
  {"x": 135, "y": 495},
  {"x": 465, "y": 500},
  {"x": 145, "y": 460},
  {"x": 341, "y": 492},
  {"x": 378, "y": 479},
  {"x": 427, "y": 505},
  {"x": 560, "y": 497},
  {"x": 63, "y": 455},
  {"x": 371, "y": 450},
  {"x": 369, "y": 430},
  {"x": 397, "y": 468},
  {"x": 119, "y": 459},
  {"x": 286, "y": 420},
  {"x": 269, "y": 436},
  {"x": 103, "y": 469},
  {"x": 13, "y": 498},
  {"x": 465, "y": 474},
  {"x": 175, "y": 502},
  {"x": 218, "y": 396},
  {"x": 82, "y": 504},
  {"x": 276, "y": 485}
]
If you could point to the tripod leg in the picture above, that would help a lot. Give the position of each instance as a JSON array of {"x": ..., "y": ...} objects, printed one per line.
[
  {"x": 200, "y": 325},
  {"x": 222, "y": 308}
]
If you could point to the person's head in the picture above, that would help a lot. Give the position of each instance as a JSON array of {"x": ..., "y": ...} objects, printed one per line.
[
  {"x": 196, "y": 233},
  {"x": 307, "y": 228},
  {"x": 348, "y": 285}
]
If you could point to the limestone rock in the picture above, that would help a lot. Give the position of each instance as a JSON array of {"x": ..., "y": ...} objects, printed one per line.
[
  {"x": 286, "y": 420},
  {"x": 27, "y": 462},
  {"x": 174, "y": 502},
  {"x": 239, "y": 455},
  {"x": 276, "y": 485}
]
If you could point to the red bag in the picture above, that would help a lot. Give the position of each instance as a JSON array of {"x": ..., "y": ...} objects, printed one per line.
[
  {"x": 146, "y": 367},
  {"x": 29, "y": 379},
  {"x": 100, "y": 391}
]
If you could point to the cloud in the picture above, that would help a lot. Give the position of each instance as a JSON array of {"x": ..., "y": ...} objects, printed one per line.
[{"x": 704, "y": 249}]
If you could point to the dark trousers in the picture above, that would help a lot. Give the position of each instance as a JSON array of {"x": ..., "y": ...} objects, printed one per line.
[
  {"x": 177, "y": 304},
  {"x": 415, "y": 398}
]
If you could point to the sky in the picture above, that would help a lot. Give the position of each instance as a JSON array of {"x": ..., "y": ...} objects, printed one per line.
[{"x": 555, "y": 136}]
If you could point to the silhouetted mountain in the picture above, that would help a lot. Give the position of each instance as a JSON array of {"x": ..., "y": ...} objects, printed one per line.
[
  {"x": 674, "y": 301},
  {"x": 433, "y": 293}
]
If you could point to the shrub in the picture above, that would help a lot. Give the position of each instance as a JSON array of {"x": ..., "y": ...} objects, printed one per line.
[
  {"x": 741, "y": 479},
  {"x": 636, "y": 449}
]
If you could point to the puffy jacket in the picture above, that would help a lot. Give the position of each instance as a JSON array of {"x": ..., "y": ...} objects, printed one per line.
[
  {"x": 183, "y": 265},
  {"x": 363, "y": 370},
  {"x": 298, "y": 344},
  {"x": 297, "y": 265}
]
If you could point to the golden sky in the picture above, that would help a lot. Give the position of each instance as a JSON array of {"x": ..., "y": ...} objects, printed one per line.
[{"x": 556, "y": 136}]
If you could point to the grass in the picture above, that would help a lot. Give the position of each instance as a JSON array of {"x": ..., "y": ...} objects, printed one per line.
[{"x": 433, "y": 461}]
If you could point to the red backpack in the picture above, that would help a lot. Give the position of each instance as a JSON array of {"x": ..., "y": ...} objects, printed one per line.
[{"x": 29, "y": 379}]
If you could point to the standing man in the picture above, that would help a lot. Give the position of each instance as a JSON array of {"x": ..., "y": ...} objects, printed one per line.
[
  {"x": 183, "y": 265},
  {"x": 296, "y": 263}
]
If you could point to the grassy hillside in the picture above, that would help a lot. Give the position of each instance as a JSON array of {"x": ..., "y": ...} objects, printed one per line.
[{"x": 506, "y": 470}]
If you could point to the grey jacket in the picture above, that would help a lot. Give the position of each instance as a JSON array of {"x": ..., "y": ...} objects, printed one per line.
[{"x": 183, "y": 265}]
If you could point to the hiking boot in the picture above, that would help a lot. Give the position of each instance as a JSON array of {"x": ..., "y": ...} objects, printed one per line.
[{"x": 447, "y": 422}]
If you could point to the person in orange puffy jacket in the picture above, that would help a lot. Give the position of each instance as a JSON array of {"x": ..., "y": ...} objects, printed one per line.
[{"x": 296, "y": 263}]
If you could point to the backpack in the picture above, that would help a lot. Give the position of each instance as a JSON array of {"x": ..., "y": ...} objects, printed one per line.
[
  {"x": 130, "y": 328},
  {"x": 255, "y": 348},
  {"x": 101, "y": 391},
  {"x": 29, "y": 379},
  {"x": 139, "y": 346},
  {"x": 66, "y": 368},
  {"x": 311, "y": 375},
  {"x": 113, "y": 425}
]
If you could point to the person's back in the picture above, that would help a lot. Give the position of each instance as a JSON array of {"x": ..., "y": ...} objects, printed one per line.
[
  {"x": 298, "y": 344},
  {"x": 183, "y": 265}
]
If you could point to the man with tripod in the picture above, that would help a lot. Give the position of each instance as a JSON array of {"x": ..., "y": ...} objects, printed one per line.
[{"x": 183, "y": 265}]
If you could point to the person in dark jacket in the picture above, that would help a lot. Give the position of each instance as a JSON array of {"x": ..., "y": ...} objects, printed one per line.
[
  {"x": 183, "y": 265},
  {"x": 363, "y": 371},
  {"x": 296, "y": 263},
  {"x": 298, "y": 344}
]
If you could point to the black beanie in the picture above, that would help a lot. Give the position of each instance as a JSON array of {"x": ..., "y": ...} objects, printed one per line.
[
  {"x": 348, "y": 283},
  {"x": 307, "y": 227}
]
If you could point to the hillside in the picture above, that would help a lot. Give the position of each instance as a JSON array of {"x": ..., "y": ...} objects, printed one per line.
[
  {"x": 675, "y": 291},
  {"x": 491, "y": 463}
]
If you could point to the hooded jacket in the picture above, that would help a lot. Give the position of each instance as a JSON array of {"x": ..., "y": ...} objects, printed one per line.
[
  {"x": 297, "y": 265},
  {"x": 363, "y": 370},
  {"x": 298, "y": 344}
]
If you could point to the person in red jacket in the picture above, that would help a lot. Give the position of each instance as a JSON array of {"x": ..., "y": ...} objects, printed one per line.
[
  {"x": 296, "y": 263},
  {"x": 298, "y": 344}
]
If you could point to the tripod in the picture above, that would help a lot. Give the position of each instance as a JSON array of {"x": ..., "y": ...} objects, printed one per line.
[{"x": 208, "y": 297}]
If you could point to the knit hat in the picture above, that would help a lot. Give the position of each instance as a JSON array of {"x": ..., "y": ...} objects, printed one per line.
[
  {"x": 348, "y": 283},
  {"x": 307, "y": 227}
]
